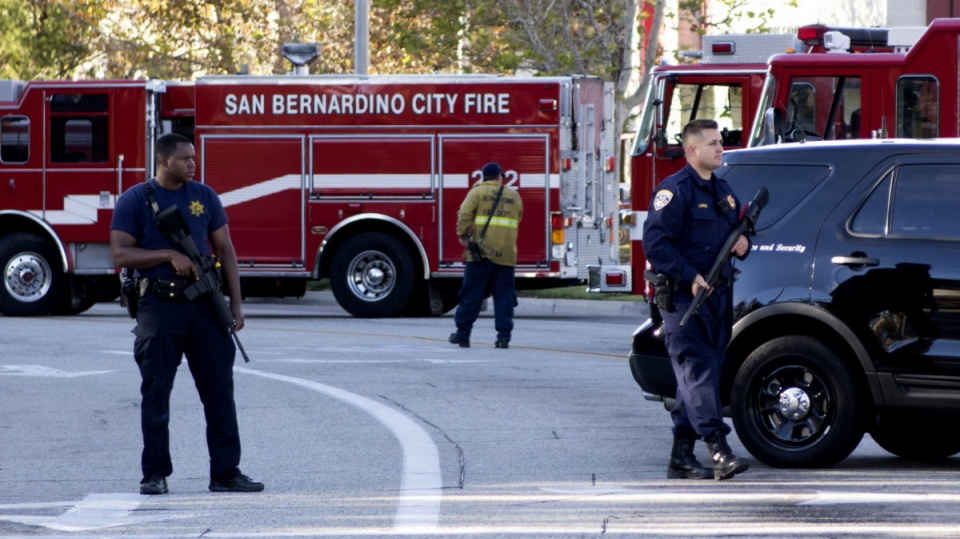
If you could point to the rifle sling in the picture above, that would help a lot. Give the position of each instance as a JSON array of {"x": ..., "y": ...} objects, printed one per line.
[{"x": 493, "y": 209}]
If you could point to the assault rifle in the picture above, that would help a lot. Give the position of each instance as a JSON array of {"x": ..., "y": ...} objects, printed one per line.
[
  {"x": 174, "y": 227},
  {"x": 748, "y": 218}
]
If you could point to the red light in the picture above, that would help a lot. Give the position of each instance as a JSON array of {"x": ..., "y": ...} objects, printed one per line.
[
  {"x": 548, "y": 105},
  {"x": 616, "y": 278},
  {"x": 567, "y": 164},
  {"x": 812, "y": 34},
  {"x": 556, "y": 221},
  {"x": 610, "y": 163},
  {"x": 723, "y": 47}
]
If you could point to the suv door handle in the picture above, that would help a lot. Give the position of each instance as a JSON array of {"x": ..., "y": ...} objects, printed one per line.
[{"x": 855, "y": 261}]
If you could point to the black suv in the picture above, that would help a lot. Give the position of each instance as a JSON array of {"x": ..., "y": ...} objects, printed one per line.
[{"x": 847, "y": 310}]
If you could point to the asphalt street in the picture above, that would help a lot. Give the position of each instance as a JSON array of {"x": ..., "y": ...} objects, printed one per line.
[{"x": 381, "y": 428}]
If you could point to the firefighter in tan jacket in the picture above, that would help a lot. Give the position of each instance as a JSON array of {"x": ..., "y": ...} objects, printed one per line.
[{"x": 494, "y": 238}]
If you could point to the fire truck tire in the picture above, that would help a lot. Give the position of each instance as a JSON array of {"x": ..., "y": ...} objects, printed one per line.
[
  {"x": 372, "y": 276},
  {"x": 32, "y": 283}
]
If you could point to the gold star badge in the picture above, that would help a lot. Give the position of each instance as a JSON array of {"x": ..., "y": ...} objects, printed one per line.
[{"x": 196, "y": 208}]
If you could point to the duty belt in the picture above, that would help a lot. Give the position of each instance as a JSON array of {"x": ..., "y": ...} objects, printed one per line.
[{"x": 170, "y": 289}]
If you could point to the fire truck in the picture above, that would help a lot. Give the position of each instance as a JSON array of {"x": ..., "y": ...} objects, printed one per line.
[
  {"x": 908, "y": 92},
  {"x": 725, "y": 85},
  {"x": 357, "y": 179}
]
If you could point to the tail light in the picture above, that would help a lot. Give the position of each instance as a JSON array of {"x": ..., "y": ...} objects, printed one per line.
[{"x": 556, "y": 228}]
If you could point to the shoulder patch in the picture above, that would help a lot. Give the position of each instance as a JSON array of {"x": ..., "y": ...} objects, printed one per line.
[{"x": 661, "y": 199}]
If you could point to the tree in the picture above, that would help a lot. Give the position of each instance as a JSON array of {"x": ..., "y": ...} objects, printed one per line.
[{"x": 47, "y": 38}]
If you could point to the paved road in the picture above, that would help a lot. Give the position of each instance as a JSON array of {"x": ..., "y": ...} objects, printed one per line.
[{"x": 381, "y": 428}]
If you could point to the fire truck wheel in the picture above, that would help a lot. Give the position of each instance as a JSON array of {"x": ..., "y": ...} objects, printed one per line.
[
  {"x": 31, "y": 285},
  {"x": 372, "y": 276}
]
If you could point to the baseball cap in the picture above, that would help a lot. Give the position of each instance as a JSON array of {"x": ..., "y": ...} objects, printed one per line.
[{"x": 490, "y": 170}]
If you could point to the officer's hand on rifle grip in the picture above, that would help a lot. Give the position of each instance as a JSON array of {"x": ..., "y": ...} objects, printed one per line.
[
  {"x": 182, "y": 265},
  {"x": 740, "y": 248},
  {"x": 699, "y": 282}
]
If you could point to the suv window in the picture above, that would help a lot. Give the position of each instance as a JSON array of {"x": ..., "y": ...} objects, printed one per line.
[
  {"x": 793, "y": 183},
  {"x": 924, "y": 198}
]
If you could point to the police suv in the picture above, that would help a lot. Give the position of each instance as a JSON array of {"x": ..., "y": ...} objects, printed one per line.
[{"x": 847, "y": 309}]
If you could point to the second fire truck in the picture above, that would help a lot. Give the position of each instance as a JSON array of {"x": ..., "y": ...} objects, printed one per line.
[
  {"x": 728, "y": 85},
  {"x": 355, "y": 179}
]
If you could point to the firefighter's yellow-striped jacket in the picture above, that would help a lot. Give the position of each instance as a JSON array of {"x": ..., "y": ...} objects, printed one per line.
[{"x": 500, "y": 242}]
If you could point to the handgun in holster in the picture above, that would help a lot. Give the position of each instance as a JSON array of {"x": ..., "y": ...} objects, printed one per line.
[{"x": 664, "y": 289}]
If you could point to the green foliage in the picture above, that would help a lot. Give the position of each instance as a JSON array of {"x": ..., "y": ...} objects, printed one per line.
[
  {"x": 47, "y": 38},
  {"x": 736, "y": 11}
]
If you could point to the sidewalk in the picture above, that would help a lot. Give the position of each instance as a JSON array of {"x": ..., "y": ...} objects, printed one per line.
[{"x": 527, "y": 306}]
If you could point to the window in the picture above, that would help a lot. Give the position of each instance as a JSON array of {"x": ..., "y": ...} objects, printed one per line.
[
  {"x": 827, "y": 107},
  {"x": 793, "y": 183},
  {"x": 721, "y": 103},
  {"x": 78, "y": 128},
  {"x": 871, "y": 218},
  {"x": 918, "y": 107},
  {"x": 802, "y": 108},
  {"x": 14, "y": 139},
  {"x": 925, "y": 201}
]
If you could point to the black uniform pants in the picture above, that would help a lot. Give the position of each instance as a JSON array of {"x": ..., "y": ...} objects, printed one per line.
[
  {"x": 697, "y": 352},
  {"x": 166, "y": 332}
]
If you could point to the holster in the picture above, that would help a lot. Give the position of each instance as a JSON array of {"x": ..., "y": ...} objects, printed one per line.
[
  {"x": 129, "y": 294},
  {"x": 664, "y": 290}
]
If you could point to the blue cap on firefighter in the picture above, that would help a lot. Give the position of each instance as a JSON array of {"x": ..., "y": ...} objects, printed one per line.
[{"x": 491, "y": 170}]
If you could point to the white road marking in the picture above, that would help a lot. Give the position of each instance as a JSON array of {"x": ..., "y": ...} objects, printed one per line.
[
  {"x": 43, "y": 372},
  {"x": 420, "y": 484},
  {"x": 94, "y": 512},
  {"x": 799, "y": 496}
]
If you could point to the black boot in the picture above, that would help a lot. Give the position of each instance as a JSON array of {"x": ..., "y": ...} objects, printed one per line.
[
  {"x": 725, "y": 463},
  {"x": 683, "y": 464}
]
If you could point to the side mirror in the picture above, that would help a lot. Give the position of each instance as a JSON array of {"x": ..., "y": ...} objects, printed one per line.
[{"x": 772, "y": 122}]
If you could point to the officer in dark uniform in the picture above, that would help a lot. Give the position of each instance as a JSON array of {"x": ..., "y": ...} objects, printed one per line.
[
  {"x": 169, "y": 326},
  {"x": 691, "y": 215}
]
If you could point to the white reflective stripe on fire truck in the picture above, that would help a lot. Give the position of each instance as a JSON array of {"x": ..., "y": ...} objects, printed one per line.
[
  {"x": 527, "y": 181},
  {"x": 636, "y": 232},
  {"x": 262, "y": 189},
  {"x": 77, "y": 210},
  {"x": 372, "y": 181}
]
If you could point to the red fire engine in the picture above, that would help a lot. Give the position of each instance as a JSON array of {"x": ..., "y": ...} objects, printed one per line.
[
  {"x": 909, "y": 92},
  {"x": 355, "y": 179},
  {"x": 726, "y": 85}
]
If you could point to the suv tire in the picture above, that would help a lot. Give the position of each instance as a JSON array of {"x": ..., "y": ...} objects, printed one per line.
[{"x": 796, "y": 404}]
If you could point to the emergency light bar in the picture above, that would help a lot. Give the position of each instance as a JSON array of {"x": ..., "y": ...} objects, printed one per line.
[{"x": 814, "y": 36}]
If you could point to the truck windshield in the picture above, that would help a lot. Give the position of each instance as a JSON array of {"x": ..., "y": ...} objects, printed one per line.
[
  {"x": 645, "y": 121},
  {"x": 816, "y": 108},
  {"x": 759, "y": 126}
]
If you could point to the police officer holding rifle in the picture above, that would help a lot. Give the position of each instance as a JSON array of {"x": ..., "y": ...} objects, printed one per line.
[
  {"x": 166, "y": 229},
  {"x": 691, "y": 215}
]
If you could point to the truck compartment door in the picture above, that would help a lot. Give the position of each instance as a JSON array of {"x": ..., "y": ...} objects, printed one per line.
[{"x": 261, "y": 181}]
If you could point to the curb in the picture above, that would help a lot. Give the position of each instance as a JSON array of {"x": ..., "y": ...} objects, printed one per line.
[{"x": 526, "y": 306}]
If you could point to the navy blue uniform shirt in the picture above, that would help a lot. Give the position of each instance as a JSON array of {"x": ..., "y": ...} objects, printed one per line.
[
  {"x": 198, "y": 203},
  {"x": 688, "y": 221}
]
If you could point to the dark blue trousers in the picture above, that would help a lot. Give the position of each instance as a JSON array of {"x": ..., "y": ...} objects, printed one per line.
[
  {"x": 478, "y": 277},
  {"x": 166, "y": 331},
  {"x": 697, "y": 352}
]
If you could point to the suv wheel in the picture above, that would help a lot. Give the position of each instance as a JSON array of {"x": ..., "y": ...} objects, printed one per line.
[
  {"x": 796, "y": 404},
  {"x": 913, "y": 436}
]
